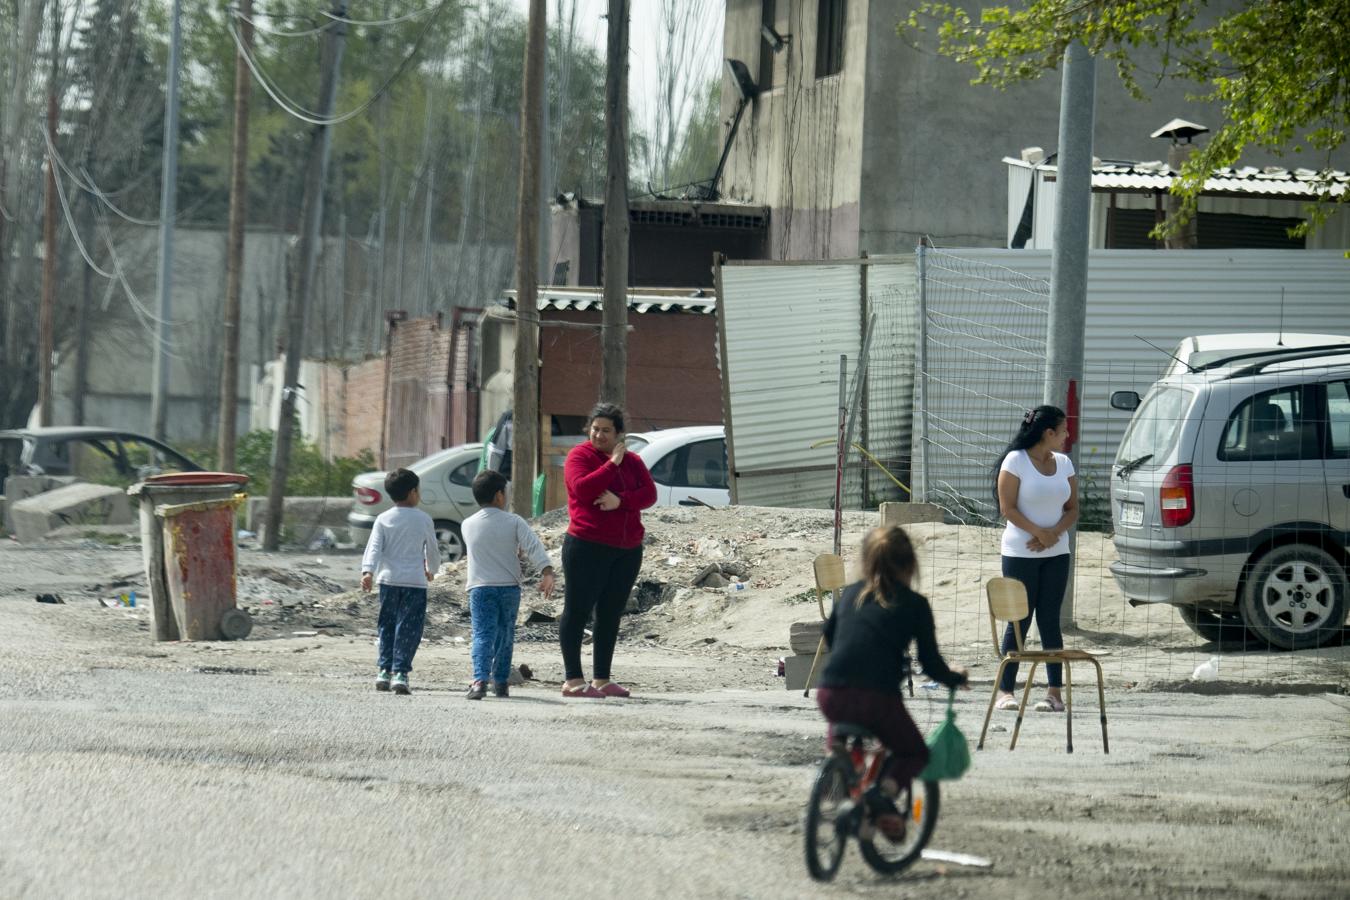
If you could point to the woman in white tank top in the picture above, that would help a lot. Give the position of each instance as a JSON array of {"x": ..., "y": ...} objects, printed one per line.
[{"x": 1037, "y": 493}]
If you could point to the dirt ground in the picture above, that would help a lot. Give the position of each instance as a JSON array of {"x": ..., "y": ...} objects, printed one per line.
[{"x": 268, "y": 767}]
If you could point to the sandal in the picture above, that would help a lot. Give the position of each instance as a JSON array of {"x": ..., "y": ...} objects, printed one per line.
[
  {"x": 614, "y": 690},
  {"x": 1008, "y": 702},
  {"x": 1049, "y": 704},
  {"x": 583, "y": 691}
]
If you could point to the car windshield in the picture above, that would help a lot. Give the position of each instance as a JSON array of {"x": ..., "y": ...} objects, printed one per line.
[
  {"x": 634, "y": 442},
  {"x": 430, "y": 462},
  {"x": 1153, "y": 430}
]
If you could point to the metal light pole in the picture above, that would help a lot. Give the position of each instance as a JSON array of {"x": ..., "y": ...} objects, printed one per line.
[
  {"x": 168, "y": 205},
  {"x": 1069, "y": 259}
]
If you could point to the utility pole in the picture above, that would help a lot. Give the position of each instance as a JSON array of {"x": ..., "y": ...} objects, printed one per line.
[
  {"x": 47, "y": 314},
  {"x": 234, "y": 247},
  {"x": 168, "y": 206},
  {"x": 614, "y": 332},
  {"x": 1069, "y": 259},
  {"x": 525, "y": 393},
  {"x": 311, "y": 220}
]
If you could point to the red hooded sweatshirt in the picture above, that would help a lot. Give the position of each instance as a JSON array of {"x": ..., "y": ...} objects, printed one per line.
[{"x": 588, "y": 473}]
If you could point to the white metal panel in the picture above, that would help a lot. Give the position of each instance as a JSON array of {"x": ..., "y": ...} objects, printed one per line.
[
  {"x": 983, "y": 364},
  {"x": 892, "y": 295},
  {"x": 786, "y": 327}
]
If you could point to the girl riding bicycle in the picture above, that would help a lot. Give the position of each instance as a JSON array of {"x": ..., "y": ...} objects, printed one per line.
[{"x": 869, "y": 633}]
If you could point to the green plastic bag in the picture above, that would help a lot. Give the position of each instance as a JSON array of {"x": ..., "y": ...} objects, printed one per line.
[
  {"x": 539, "y": 482},
  {"x": 948, "y": 751}
]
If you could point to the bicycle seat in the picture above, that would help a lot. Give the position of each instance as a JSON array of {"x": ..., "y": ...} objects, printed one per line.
[{"x": 849, "y": 730}]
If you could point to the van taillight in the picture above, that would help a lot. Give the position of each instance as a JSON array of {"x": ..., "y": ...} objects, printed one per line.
[
  {"x": 1176, "y": 497},
  {"x": 366, "y": 495}
]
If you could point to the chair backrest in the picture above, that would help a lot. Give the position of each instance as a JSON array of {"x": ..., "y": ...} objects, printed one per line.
[
  {"x": 830, "y": 577},
  {"x": 1007, "y": 603}
]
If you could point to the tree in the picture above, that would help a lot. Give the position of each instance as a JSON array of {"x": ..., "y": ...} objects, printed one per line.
[{"x": 1280, "y": 71}]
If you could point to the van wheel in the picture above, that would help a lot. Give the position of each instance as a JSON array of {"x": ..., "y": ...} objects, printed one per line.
[
  {"x": 1295, "y": 597},
  {"x": 1222, "y": 627}
]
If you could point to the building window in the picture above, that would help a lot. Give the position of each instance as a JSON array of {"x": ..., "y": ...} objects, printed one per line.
[
  {"x": 829, "y": 37},
  {"x": 768, "y": 17}
]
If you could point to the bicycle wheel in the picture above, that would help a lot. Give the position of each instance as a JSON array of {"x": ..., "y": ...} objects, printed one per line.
[
  {"x": 825, "y": 840},
  {"x": 919, "y": 802}
]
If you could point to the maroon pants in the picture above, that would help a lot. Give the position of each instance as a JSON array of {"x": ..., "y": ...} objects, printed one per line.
[{"x": 883, "y": 714}]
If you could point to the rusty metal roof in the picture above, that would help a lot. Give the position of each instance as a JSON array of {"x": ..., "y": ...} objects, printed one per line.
[{"x": 1270, "y": 181}]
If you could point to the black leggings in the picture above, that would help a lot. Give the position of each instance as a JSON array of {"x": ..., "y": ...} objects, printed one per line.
[
  {"x": 598, "y": 577},
  {"x": 1045, "y": 580}
]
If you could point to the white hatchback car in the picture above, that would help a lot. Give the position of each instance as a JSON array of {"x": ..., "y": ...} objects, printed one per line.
[
  {"x": 447, "y": 496},
  {"x": 689, "y": 465}
]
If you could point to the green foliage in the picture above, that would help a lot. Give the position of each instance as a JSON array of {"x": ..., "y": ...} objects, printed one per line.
[
  {"x": 702, "y": 140},
  {"x": 1280, "y": 70},
  {"x": 310, "y": 475}
]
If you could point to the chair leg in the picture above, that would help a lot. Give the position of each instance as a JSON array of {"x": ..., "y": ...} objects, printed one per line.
[
  {"x": 815, "y": 662},
  {"x": 993, "y": 695},
  {"x": 1101, "y": 705},
  {"x": 1068, "y": 702},
  {"x": 1022, "y": 707}
]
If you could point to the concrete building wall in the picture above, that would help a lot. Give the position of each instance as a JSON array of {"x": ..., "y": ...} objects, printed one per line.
[
  {"x": 900, "y": 145},
  {"x": 799, "y": 147}
]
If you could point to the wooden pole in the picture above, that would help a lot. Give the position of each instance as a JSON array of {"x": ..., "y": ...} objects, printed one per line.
[
  {"x": 311, "y": 219},
  {"x": 525, "y": 394},
  {"x": 234, "y": 261},
  {"x": 614, "y": 337}
]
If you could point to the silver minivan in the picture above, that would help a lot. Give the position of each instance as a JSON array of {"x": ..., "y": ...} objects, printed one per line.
[{"x": 1230, "y": 495}]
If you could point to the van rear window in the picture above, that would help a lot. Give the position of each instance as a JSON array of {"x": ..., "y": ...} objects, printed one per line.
[{"x": 1155, "y": 426}]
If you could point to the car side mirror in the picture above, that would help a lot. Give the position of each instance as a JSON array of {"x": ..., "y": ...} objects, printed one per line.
[{"x": 1126, "y": 400}]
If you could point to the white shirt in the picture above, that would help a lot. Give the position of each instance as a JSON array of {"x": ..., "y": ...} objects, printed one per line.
[
  {"x": 494, "y": 539},
  {"x": 402, "y": 548},
  {"x": 1041, "y": 499}
]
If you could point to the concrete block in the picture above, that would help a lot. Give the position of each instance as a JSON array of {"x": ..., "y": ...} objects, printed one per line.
[
  {"x": 302, "y": 518},
  {"x": 910, "y": 513},
  {"x": 804, "y": 637},
  {"x": 21, "y": 487},
  {"x": 798, "y": 667},
  {"x": 76, "y": 504}
]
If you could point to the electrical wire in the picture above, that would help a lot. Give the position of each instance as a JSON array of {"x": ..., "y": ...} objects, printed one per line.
[
  {"x": 90, "y": 187},
  {"x": 380, "y": 23},
  {"x": 294, "y": 109},
  {"x": 277, "y": 32}
]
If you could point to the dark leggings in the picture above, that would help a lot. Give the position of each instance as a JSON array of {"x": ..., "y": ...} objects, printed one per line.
[
  {"x": 884, "y": 715},
  {"x": 598, "y": 577},
  {"x": 1045, "y": 579}
]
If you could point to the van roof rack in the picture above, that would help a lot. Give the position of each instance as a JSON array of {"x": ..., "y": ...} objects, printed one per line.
[
  {"x": 1273, "y": 356},
  {"x": 1303, "y": 353}
]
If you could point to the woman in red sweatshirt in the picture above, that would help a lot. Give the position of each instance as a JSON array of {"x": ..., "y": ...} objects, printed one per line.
[{"x": 607, "y": 489}]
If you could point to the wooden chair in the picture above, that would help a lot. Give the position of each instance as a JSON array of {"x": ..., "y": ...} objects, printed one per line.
[
  {"x": 830, "y": 578},
  {"x": 1008, "y": 603}
]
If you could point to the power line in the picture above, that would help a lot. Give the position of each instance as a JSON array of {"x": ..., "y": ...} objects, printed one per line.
[
  {"x": 91, "y": 188},
  {"x": 277, "y": 32},
  {"x": 294, "y": 109},
  {"x": 380, "y": 23}
]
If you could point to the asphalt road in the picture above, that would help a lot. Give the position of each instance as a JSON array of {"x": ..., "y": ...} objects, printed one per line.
[{"x": 129, "y": 769}]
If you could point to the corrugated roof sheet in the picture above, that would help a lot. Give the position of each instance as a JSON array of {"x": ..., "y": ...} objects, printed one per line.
[
  {"x": 686, "y": 300},
  {"x": 1270, "y": 181}
]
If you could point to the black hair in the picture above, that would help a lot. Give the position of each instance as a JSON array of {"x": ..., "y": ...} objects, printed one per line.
[
  {"x": 610, "y": 411},
  {"x": 486, "y": 485},
  {"x": 399, "y": 483},
  {"x": 1034, "y": 424}
]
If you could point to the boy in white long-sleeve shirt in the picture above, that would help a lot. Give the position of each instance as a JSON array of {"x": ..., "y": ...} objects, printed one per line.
[
  {"x": 495, "y": 540},
  {"x": 401, "y": 555}
]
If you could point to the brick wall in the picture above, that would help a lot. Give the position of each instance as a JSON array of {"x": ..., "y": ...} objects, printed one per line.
[{"x": 364, "y": 407}]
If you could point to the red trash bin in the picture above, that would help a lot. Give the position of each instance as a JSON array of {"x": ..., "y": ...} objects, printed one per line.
[{"x": 199, "y": 564}]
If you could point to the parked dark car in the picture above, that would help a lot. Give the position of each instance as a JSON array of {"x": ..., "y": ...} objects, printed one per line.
[{"x": 103, "y": 455}]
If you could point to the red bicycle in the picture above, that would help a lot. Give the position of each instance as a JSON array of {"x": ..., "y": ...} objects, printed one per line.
[{"x": 845, "y": 803}]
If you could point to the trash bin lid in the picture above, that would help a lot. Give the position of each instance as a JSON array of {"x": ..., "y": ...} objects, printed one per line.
[{"x": 196, "y": 478}]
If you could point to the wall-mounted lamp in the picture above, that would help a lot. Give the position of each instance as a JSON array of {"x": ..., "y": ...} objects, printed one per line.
[{"x": 775, "y": 40}]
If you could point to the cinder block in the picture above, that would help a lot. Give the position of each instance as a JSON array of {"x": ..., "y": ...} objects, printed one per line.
[
  {"x": 804, "y": 637},
  {"x": 798, "y": 667},
  {"x": 910, "y": 513},
  {"x": 21, "y": 487},
  {"x": 76, "y": 504}
]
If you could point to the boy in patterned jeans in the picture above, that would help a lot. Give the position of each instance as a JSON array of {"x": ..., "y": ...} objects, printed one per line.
[{"x": 401, "y": 556}]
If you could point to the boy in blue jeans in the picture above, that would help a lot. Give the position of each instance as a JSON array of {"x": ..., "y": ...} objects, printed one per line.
[
  {"x": 496, "y": 540},
  {"x": 400, "y": 556}
]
